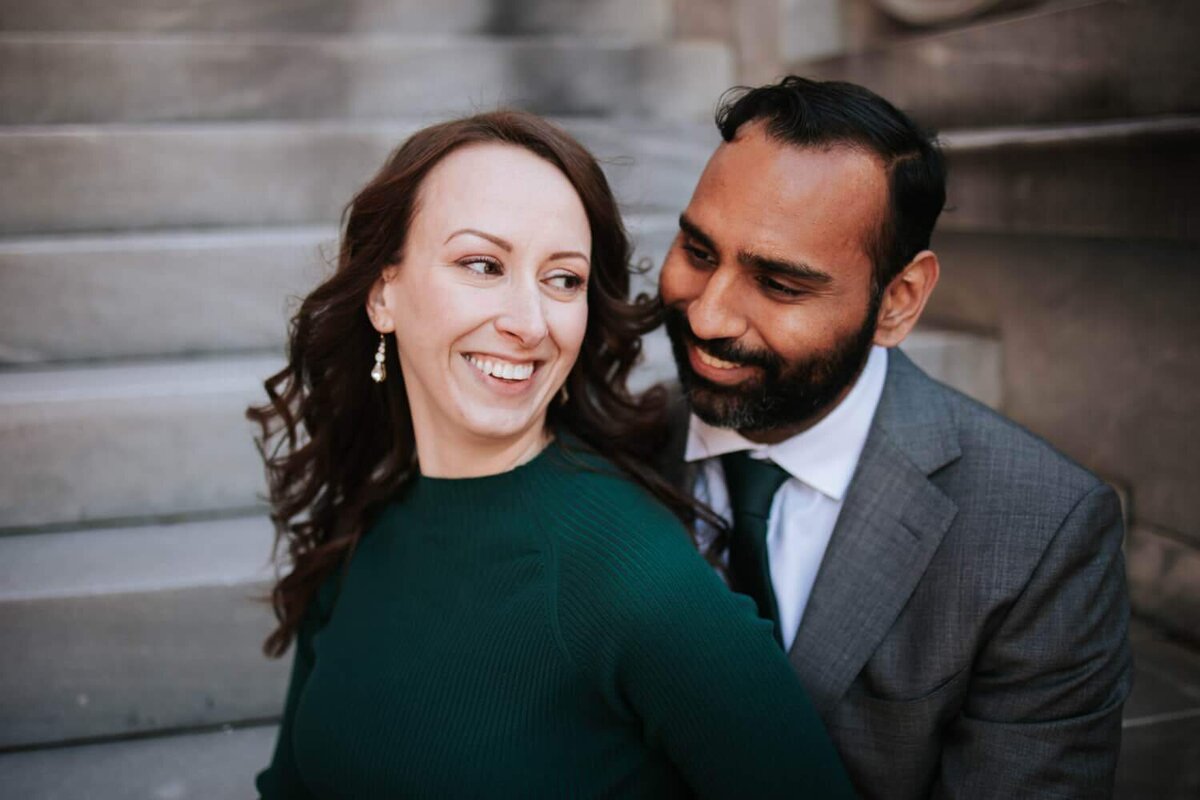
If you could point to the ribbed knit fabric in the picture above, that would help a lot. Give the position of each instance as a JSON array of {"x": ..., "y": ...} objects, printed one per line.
[{"x": 546, "y": 632}]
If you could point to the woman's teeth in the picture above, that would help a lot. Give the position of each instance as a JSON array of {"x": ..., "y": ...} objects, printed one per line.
[
  {"x": 501, "y": 369},
  {"x": 717, "y": 363}
]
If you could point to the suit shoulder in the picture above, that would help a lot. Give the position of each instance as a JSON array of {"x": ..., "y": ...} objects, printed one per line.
[
  {"x": 997, "y": 457},
  {"x": 1007, "y": 447}
]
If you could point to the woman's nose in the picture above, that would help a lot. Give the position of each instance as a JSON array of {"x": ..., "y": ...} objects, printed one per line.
[{"x": 522, "y": 317}]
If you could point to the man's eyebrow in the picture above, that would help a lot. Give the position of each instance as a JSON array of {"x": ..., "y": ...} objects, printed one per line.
[
  {"x": 796, "y": 270},
  {"x": 693, "y": 231},
  {"x": 496, "y": 240}
]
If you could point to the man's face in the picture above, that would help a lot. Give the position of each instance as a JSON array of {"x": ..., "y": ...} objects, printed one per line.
[{"x": 768, "y": 284}]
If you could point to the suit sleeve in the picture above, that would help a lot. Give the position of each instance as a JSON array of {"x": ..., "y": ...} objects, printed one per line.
[
  {"x": 1042, "y": 715},
  {"x": 683, "y": 657},
  {"x": 281, "y": 779}
]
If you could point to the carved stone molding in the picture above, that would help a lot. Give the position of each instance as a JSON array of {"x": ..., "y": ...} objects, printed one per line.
[{"x": 938, "y": 12}]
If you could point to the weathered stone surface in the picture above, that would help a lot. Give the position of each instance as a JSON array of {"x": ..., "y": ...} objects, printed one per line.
[
  {"x": 59, "y": 78},
  {"x": 1113, "y": 180},
  {"x": 218, "y": 765},
  {"x": 114, "y": 632},
  {"x": 161, "y": 438},
  {"x": 632, "y": 19},
  {"x": 1160, "y": 740},
  {"x": 935, "y": 12},
  {"x": 1085, "y": 61},
  {"x": 68, "y": 298},
  {"x": 811, "y": 29},
  {"x": 98, "y": 178},
  {"x": 969, "y": 362},
  {"x": 1164, "y": 582},
  {"x": 1099, "y": 353}
]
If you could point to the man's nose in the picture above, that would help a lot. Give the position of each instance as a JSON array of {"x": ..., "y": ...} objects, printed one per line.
[
  {"x": 522, "y": 317},
  {"x": 716, "y": 313}
]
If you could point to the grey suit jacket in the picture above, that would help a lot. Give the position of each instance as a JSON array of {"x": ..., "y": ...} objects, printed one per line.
[{"x": 967, "y": 632}]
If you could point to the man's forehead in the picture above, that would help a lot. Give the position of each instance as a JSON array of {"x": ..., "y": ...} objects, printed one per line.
[{"x": 767, "y": 193}]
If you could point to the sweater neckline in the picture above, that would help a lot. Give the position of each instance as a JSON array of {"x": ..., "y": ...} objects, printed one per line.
[{"x": 466, "y": 489}]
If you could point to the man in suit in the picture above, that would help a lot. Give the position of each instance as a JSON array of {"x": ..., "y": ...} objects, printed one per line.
[{"x": 949, "y": 587}]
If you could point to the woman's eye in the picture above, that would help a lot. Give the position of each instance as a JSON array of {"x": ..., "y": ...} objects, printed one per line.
[
  {"x": 481, "y": 265},
  {"x": 566, "y": 281}
]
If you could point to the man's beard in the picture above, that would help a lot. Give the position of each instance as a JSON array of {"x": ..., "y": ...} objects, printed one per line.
[{"x": 788, "y": 394}]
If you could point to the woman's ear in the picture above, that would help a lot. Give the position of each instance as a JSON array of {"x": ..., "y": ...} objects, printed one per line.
[
  {"x": 904, "y": 299},
  {"x": 378, "y": 308}
]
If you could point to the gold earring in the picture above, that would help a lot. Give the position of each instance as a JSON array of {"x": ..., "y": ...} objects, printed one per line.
[
  {"x": 379, "y": 371},
  {"x": 563, "y": 395}
]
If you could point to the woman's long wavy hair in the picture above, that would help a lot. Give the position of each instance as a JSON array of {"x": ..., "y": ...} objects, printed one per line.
[{"x": 338, "y": 446}]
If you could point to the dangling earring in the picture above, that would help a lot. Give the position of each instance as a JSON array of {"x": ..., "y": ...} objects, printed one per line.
[
  {"x": 563, "y": 395},
  {"x": 379, "y": 371}
]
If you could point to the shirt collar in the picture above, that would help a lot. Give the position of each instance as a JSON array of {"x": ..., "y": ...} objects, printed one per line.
[{"x": 825, "y": 455}]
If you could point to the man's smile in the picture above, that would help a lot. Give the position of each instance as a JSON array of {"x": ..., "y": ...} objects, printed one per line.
[{"x": 716, "y": 370}]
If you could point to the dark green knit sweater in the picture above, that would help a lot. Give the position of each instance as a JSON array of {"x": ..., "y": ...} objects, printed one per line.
[{"x": 546, "y": 632}]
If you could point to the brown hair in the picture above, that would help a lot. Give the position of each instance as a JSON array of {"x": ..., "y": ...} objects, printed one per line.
[{"x": 338, "y": 446}]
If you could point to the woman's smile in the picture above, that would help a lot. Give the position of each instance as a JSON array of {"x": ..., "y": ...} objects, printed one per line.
[{"x": 500, "y": 374}]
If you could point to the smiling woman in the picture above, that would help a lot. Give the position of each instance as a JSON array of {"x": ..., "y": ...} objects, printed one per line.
[
  {"x": 500, "y": 243},
  {"x": 489, "y": 592}
]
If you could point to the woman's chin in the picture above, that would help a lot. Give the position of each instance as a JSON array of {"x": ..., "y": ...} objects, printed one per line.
[{"x": 499, "y": 425}]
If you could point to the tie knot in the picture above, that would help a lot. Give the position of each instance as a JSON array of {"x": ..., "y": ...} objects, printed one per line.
[{"x": 752, "y": 483}]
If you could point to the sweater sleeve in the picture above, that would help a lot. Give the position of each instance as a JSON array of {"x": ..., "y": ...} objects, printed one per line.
[
  {"x": 281, "y": 780},
  {"x": 645, "y": 618}
]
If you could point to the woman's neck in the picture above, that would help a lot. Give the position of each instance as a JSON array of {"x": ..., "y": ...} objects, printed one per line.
[{"x": 475, "y": 457}]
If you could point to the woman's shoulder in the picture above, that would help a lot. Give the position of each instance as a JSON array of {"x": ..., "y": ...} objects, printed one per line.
[
  {"x": 596, "y": 498},
  {"x": 614, "y": 542}
]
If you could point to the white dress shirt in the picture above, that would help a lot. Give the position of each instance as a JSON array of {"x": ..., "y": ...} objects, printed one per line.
[{"x": 821, "y": 462}]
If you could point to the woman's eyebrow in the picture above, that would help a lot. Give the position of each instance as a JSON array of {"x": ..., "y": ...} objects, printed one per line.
[
  {"x": 568, "y": 254},
  {"x": 496, "y": 240}
]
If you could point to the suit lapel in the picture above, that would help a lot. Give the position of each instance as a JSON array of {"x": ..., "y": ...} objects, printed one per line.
[{"x": 891, "y": 523}]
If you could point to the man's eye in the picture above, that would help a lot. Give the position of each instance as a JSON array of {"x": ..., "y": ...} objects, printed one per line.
[
  {"x": 775, "y": 287},
  {"x": 481, "y": 265},
  {"x": 696, "y": 254}
]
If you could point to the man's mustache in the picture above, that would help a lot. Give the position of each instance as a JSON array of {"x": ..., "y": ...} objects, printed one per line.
[{"x": 723, "y": 349}]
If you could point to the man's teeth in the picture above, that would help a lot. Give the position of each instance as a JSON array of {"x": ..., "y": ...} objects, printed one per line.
[
  {"x": 502, "y": 369},
  {"x": 705, "y": 358}
]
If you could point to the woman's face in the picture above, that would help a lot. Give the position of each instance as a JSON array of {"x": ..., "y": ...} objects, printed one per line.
[{"x": 489, "y": 303}]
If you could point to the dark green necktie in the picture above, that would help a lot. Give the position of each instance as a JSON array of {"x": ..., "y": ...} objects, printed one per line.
[{"x": 752, "y": 484}]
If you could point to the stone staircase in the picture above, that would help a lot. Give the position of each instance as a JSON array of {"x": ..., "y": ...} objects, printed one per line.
[{"x": 173, "y": 179}]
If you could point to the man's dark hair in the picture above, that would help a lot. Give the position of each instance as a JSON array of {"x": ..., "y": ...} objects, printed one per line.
[{"x": 821, "y": 114}]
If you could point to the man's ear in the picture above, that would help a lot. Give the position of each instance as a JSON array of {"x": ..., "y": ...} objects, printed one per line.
[
  {"x": 378, "y": 309},
  {"x": 905, "y": 297}
]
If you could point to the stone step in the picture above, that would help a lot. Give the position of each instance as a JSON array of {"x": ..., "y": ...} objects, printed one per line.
[
  {"x": 88, "y": 78},
  {"x": 1117, "y": 180},
  {"x": 1056, "y": 64},
  {"x": 214, "y": 765},
  {"x": 61, "y": 179},
  {"x": 634, "y": 19},
  {"x": 165, "y": 439},
  {"x": 121, "y": 296},
  {"x": 117, "y": 442},
  {"x": 123, "y": 631}
]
